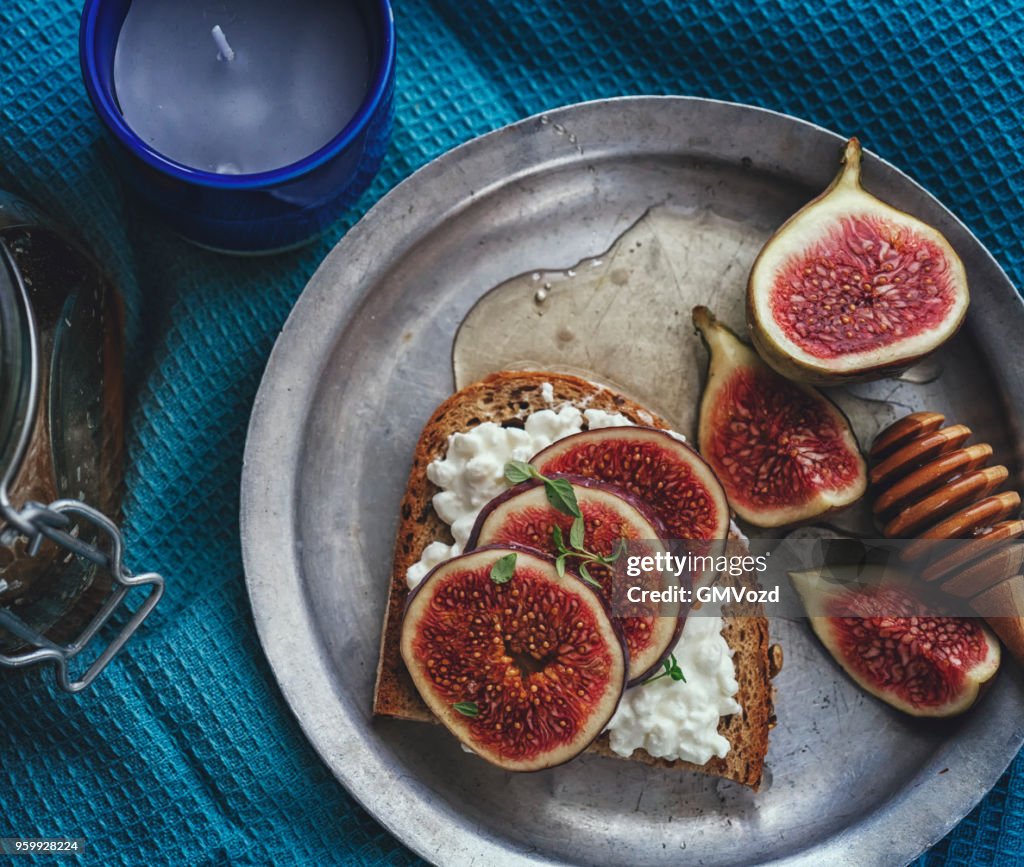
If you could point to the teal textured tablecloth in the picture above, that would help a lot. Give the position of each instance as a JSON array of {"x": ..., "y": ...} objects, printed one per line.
[{"x": 185, "y": 752}]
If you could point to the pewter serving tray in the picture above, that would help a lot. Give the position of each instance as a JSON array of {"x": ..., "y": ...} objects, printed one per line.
[{"x": 366, "y": 356}]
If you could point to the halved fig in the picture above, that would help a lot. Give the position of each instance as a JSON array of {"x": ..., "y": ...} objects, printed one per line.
[
  {"x": 526, "y": 672},
  {"x": 784, "y": 452},
  {"x": 894, "y": 645},
  {"x": 653, "y": 466},
  {"x": 523, "y": 516},
  {"x": 852, "y": 289}
]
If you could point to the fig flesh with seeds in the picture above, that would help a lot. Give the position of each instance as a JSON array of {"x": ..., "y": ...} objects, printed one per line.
[
  {"x": 525, "y": 670},
  {"x": 523, "y": 516},
  {"x": 894, "y": 645},
  {"x": 782, "y": 450},
  {"x": 852, "y": 289},
  {"x": 652, "y": 465}
]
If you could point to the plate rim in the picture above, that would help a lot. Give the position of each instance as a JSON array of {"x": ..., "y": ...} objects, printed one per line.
[{"x": 276, "y": 614}]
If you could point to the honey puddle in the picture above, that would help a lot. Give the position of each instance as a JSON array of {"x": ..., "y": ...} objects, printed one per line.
[{"x": 621, "y": 317}]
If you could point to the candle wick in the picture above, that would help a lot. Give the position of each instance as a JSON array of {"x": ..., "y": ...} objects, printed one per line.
[{"x": 224, "y": 50}]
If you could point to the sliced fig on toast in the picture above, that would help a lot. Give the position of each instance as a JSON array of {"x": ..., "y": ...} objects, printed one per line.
[
  {"x": 896, "y": 646},
  {"x": 652, "y": 465},
  {"x": 784, "y": 452},
  {"x": 524, "y": 516},
  {"x": 850, "y": 288},
  {"x": 523, "y": 665}
]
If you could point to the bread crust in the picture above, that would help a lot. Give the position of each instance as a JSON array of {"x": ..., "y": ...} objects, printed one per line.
[{"x": 507, "y": 397}]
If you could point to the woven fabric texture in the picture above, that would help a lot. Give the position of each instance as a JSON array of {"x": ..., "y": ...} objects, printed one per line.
[{"x": 185, "y": 752}]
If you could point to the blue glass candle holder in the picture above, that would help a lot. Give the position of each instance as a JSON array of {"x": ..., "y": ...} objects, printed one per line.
[{"x": 247, "y": 213}]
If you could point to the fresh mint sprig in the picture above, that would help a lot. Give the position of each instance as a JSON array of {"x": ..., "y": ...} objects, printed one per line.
[
  {"x": 558, "y": 491},
  {"x": 576, "y": 549},
  {"x": 561, "y": 495},
  {"x": 672, "y": 670}
]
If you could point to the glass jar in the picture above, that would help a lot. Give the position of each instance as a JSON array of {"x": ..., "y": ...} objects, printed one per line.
[{"x": 61, "y": 450}]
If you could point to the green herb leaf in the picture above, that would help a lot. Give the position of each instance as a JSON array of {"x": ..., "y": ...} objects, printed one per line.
[
  {"x": 560, "y": 565},
  {"x": 519, "y": 471},
  {"x": 559, "y": 491},
  {"x": 466, "y": 708},
  {"x": 672, "y": 670},
  {"x": 576, "y": 533},
  {"x": 562, "y": 496},
  {"x": 503, "y": 569},
  {"x": 559, "y": 539},
  {"x": 585, "y": 575},
  {"x": 609, "y": 559}
]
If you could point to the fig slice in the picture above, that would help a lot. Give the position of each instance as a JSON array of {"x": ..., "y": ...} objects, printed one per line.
[
  {"x": 652, "y": 465},
  {"x": 783, "y": 451},
  {"x": 526, "y": 672},
  {"x": 852, "y": 289},
  {"x": 523, "y": 516},
  {"x": 895, "y": 646}
]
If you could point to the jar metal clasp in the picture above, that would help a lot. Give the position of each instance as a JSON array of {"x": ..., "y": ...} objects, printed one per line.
[{"x": 55, "y": 522}]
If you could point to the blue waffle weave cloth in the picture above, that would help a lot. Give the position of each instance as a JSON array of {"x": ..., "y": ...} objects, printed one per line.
[{"x": 185, "y": 752}]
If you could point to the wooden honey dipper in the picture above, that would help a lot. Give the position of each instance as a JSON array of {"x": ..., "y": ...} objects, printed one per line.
[{"x": 929, "y": 486}]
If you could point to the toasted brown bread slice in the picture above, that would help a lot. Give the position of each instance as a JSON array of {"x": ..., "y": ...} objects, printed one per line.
[{"x": 505, "y": 398}]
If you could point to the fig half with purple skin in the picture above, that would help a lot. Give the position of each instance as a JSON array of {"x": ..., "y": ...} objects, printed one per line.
[
  {"x": 784, "y": 452},
  {"x": 652, "y": 465},
  {"x": 894, "y": 645},
  {"x": 523, "y": 665},
  {"x": 852, "y": 289},
  {"x": 524, "y": 516}
]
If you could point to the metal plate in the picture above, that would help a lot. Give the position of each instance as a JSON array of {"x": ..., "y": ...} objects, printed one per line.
[{"x": 364, "y": 359}]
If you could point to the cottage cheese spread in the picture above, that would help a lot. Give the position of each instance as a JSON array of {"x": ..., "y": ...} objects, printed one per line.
[
  {"x": 472, "y": 472},
  {"x": 680, "y": 720},
  {"x": 669, "y": 719}
]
